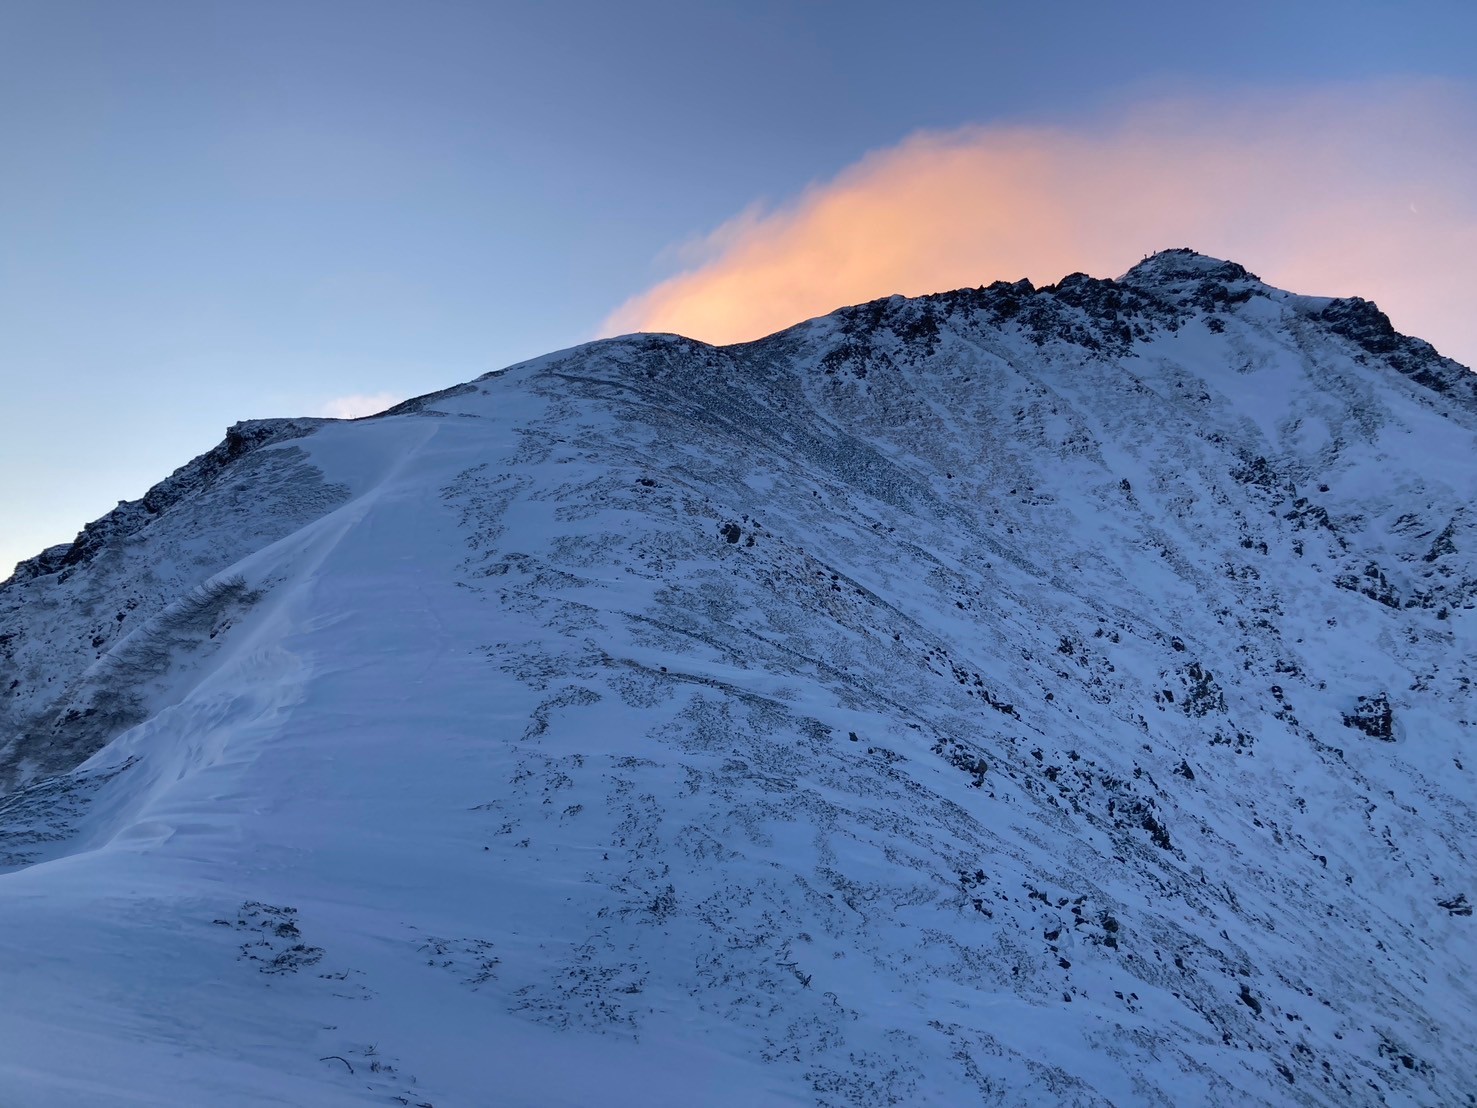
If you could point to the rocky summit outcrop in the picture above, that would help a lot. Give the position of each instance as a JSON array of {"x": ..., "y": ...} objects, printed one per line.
[{"x": 1017, "y": 695}]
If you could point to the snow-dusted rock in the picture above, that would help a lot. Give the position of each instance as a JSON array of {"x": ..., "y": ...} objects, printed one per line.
[{"x": 1007, "y": 696}]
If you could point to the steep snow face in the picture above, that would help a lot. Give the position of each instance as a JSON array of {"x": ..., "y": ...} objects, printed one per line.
[{"x": 1013, "y": 695}]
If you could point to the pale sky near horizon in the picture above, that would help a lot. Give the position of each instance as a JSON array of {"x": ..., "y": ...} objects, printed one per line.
[{"x": 212, "y": 211}]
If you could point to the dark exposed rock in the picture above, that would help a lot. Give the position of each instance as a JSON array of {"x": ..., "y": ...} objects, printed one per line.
[
  {"x": 1371, "y": 582},
  {"x": 1249, "y": 999},
  {"x": 1458, "y": 905},
  {"x": 1370, "y": 329},
  {"x": 1374, "y": 716}
]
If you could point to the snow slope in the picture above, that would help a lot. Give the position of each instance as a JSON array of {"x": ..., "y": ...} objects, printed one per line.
[{"x": 1057, "y": 696}]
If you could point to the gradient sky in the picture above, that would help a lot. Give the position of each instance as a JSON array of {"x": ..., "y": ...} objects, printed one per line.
[{"x": 214, "y": 211}]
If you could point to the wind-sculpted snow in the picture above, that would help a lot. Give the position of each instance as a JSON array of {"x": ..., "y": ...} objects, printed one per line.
[
  {"x": 94, "y": 639},
  {"x": 1010, "y": 696}
]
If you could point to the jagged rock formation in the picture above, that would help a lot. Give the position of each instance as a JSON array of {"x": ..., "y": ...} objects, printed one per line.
[{"x": 1013, "y": 695}]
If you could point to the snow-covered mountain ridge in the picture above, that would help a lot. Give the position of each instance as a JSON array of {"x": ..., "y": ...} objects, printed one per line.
[{"x": 1012, "y": 695}]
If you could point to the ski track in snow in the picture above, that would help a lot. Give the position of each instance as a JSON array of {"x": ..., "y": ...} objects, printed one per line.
[{"x": 1052, "y": 696}]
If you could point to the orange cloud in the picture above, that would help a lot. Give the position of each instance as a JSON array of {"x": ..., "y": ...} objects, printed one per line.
[{"x": 1368, "y": 191}]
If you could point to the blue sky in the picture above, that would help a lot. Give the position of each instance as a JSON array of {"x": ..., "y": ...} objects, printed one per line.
[{"x": 217, "y": 211}]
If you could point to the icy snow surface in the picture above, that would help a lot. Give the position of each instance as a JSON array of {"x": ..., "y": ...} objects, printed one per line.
[{"x": 1010, "y": 696}]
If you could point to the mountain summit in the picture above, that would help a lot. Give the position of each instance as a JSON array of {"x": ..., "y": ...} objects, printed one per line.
[{"x": 1016, "y": 695}]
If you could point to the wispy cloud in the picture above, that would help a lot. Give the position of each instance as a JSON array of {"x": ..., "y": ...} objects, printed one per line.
[
  {"x": 359, "y": 404},
  {"x": 1367, "y": 191}
]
